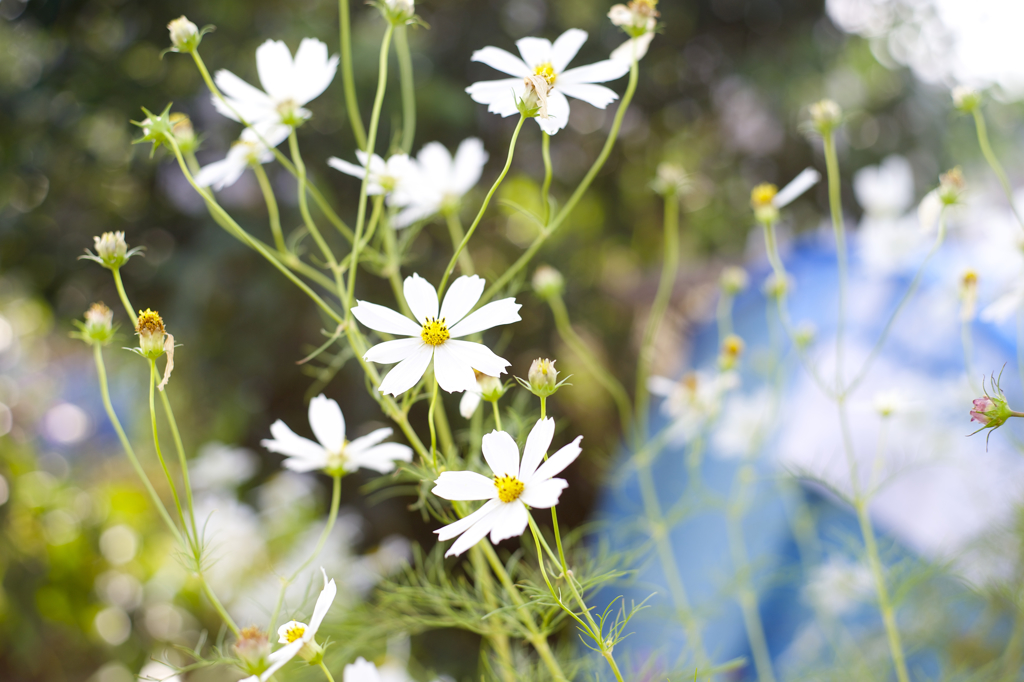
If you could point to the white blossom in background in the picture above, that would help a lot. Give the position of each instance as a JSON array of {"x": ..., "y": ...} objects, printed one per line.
[
  {"x": 885, "y": 190},
  {"x": 838, "y": 586},
  {"x": 438, "y": 181},
  {"x": 391, "y": 177},
  {"x": 890, "y": 238},
  {"x": 694, "y": 400},
  {"x": 435, "y": 335},
  {"x": 234, "y": 539},
  {"x": 156, "y": 671},
  {"x": 514, "y": 485},
  {"x": 542, "y": 58},
  {"x": 1005, "y": 307},
  {"x": 333, "y": 453},
  {"x": 250, "y": 149},
  {"x": 288, "y": 85},
  {"x": 745, "y": 419},
  {"x": 222, "y": 467},
  {"x": 638, "y": 20},
  {"x": 805, "y": 179}
]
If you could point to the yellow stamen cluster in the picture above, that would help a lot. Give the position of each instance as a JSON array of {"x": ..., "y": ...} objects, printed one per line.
[
  {"x": 546, "y": 71},
  {"x": 509, "y": 488},
  {"x": 149, "y": 323},
  {"x": 762, "y": 195},
  {"x": 970, "y": 279},
  {"x": 645, "y": 7},
  {"x": 732, "y": 349},
  {"x": 435, "y": 332},
  {"x": 295, "y": 632}
]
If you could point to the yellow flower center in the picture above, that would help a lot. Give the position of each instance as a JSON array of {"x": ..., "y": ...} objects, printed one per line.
[
  {"x": 509, "y": 488},
  {"x": 763, "y": 194},
  {"x": 294, "y": 632},
  {"x": 434, "y": 332},
  {"x": 546, "y": 71},
  {"x": 149, "y": 322}
]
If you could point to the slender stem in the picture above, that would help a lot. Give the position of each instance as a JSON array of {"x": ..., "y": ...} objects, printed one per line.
[
  {"x": 433, "y": 429},
  {"x": 723, "y": 315},
  {"x": 375, "y": 215},
  {"x": 499, "y": 640},
  {"x": 566, "y": 210},
  {"x": 182, "y": 460},
  {"x": 394, "y": 270},
  {"x": 579, "y": 346},
  {"x": 993, "y": 162},
  {"x": 326, "y": 672},
  {"x": 455, "y": 231},
  {"x": 378, "y": 101},
  {"x": 545, "y": 189},
  {"x": 218, "y": 606},
  {"x": 124, "y": 297},
  {"x": 300, "y": 166},
  {"x": 332, "y": 516},
  {"x": 347, "y": 78},
  {"x": 272, "y": 210},
  {"x": 543, "y": 406},
  {"x": 159, "y": 452},
  {"x": 405, "y": 75},
  {"x": 497, "y": 415},
  {"x": 483, "y": 207},
  {"x": 836, "y": 207},
  {"x": 101, "y": 371},
  {"x": 669, "y": 272}
]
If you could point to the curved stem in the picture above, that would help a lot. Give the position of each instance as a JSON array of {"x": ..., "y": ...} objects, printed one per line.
[
  {"x": 300, "y": 166},
  {"x": 218, "y": 606},
  {"x": 613, "y": 135},
  {"x": 993, "y": 162},
  {"x": 457, "y": 234},
  {"x": 836, "y": 208},
  {"x": 378, "y": 101},
  {"x": 153, "y": 379},
  {"x": 405, "y": 75},
  {"x": 483, "y": 207},
  {"x": 101, "y": 371},
  {"x": 272, "y": 210},
  {"x": 327, "y": 672},
  {"x": 347, "y": 78},
  {"x": 545, "y": 189},
  {"x": 433, "y": 429},
  {"x": 499, "y": 640},
  {"x": 124, "y": 297},
  {"x": 182, "y": 460}
]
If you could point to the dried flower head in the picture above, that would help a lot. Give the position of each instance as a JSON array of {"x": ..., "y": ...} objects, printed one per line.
[
  {"x": 252, "y": 649},
  {"x": 98, "y": 326},
  {"x": 150, "y": 328},
  {"x": 671, "y": 179},
  {"x": 951, "y": 185}
]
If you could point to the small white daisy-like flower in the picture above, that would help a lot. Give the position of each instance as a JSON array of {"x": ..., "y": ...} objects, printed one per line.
[
  {"x": 438, "y": 181},
  {"x": 333, "y": 453},
  {"x": 385, "y": 177},
  {"x": 361, "y": 671},
  {"x": 693, "y": 401},
  {"x": 542, "y": 58},
  {"x": 253, "y": 147},
  {"x": 435, "y": 335},
  {"x": 300, "y": 638},
  {"x": 514, "y": 486},
  {"x": 289, "y": 84}
]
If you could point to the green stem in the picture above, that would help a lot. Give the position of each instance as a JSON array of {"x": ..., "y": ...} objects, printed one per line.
[
  {"x": 300, "y": 166},
  {"x": 483, "y": 207},
  {"x": 124, "y": 297},
  {"x": 347, "y": 78},
  {"x": 394, "y": 270},
  {"x": 497, "y": 415},
  {"x": 499, "y": 640},
  {"x": 375, "y": 214},
  {"x": 218, "y": 606},
  {"x": 993, "y": 162},
  {"x": 272, "y": 210},
  {"x": 159, "y": 453},
  {"x": 433, "y": 429},
  {"x": 101, "y": 371},
  {"x": 326, "y": 672},
  {"x": 669, "y": 272},
  {"x": 566, "y": 210},
  {"x": 378, "y": 101},
  {"x": 405, "y": 75},
  {"x": 457, "y": 234},
  {"x": 543, "y": 406},
  {"x": 579, "y": 346},
  {"x": 545, "y": 189},
  {"x": 179, "y": 446},
  {"x": 836, "y": 208}
]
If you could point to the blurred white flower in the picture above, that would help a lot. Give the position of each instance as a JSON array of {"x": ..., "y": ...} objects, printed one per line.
[
  {"x": 389, "y": 177},
  {"x": 438, "y": 182},
  {"x": 805, "y": 179},
  {"x": 837, "y": 586},
  {"x": 361, "y": 671},
  {"x": 542, "y": 58},
  {"x": 250, "y": 149},
  {"x": 435, "y": 335},
  {"x": 1004, "y": 307},
  {"x": 744, "y": 419},
  {"x": 694, "y": 400},
  {"x": 928, "y": 211},
  {"x": 514, "y": 486},
  {"x": 222, "y": 467},
  {"x": 155, "y": 671},
  {"x": 289, "y": 84},
  {"x": 885, "y": 190},
  {"x": 333, "y": 453}
]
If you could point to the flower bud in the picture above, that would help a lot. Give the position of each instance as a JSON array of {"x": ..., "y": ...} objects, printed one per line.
[
  {"x": 732, "y": 349},
  {"x": 98, "y": 326},
  {"x": 111, "y": 248},
  {"x": 534, "y": 103},
  {"x": 397, "y": 12},
  {"x": 252, "y": 649},
  {"x": 951, "y": 186},
  {"x": 990, "y": 411},
  {"x": 184, "y": 134},
  {"x": 636, "y": 19},
  {"x": 968, "y": 295},
  {"x": 762, "y": 200},
  {"x": 543, "y": 376},
  {"x": 491, "y": 388},
  {"x": 826, "y": 116},
  {"x": 152, "y": 334},
  {"x": 733, "y": 280},
  {"x": 966, "y": 99},
  {"x": 804, "y": 335},
  {"x": 775, "y": 286},
  {"x": 185, "y": 35},
  {"x": 548, "y": 282},
  {"x": 670, "y": 179}
]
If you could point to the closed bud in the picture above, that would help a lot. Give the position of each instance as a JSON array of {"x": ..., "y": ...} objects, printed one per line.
[
  {"x": 185, "y": 35},
  {"x": 152, "y": 334},
  {"x": 733, "y": 280},
  {"x": 184, "y": 134},
  {"x": 762, "y": 200},
  {"x": 111, "y": 248},
  {"x": 543, "y": 376},
  {"x": 670, "y": 179},
  {"x": 826, "y": 116},
  {"x": 548, "y": 282},
  {"x": 991, "y": 410},
  {"x": 98, "y": 326},
  {"x": 729, "y": 355},
  {"x": 397, "y": 12},
  {"x": 951, "y": 186},
  {"x": 252, "y": 649},
  {"x": 966, "y": 99},
  {"x": 491, "y": 388}
]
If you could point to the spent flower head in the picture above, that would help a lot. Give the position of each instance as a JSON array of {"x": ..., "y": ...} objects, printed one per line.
[
  {"x": 966, "y": 99},
  {"x": 151, "y": 332},
  {"x": 951, "y": 186},
  {"x": 184, "y": 133},
  {"x": 968, "y": 291},
  {"x": 730, "y": 352},
  {"x": 112, "y": 250},
  {"x": 252, "y": 648}
]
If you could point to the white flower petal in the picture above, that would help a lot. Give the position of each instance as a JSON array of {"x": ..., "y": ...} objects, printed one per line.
[
  {"x": 929, "y": 210},
  {"x": 407, "y": 373},
  {"x": 557, "y": 462},
  {"x": 421, "y": 297},
  {"x": 382, "y": 458},
  {"x": 598, "y": 72},
  {"x": 323, "y": 603},
  {"x": 221, "y": 174},
  {"x": 558, "y": 113},
  {"x": 470, "y": 401},
  {"x": 346, "y": 167},
  {"x": 501, "y": 453},
  {"x": 502, "y": 60},
  {"x": 361, "y": 671},
  {"x": 543, "y": 494},
  {"x": 477, "y": 356},
  {"x": 454, "y": 373},
  {"x": 268, "y": 134},
  {"x": 458, "y": 527},
  {"x": 500, "y": 96},
  {"x": 535, "y": 51},
  {"x": 475, "y": 533},
  {"x": 537, "y": 444},
  {"x": 287, "y": 442},
  {"x": 274, "y": 66},
  {"x": 470, "y": 159},
  {"x": 242, "y": 96},
  {"x": 806, "y": 179},
  {"x": 381, "y": 319},
  {"x": 435, "y": 162},
  {"x": 661, "y": 386},
  {"x": 278, "y": 658},
  {"x": 414, "y": 214},
  {"x": 390, "y": 352},
  {"x": 464, "y": 485},
  {"x": 1004, "y": 307},
  {"x": 301, "y": 465},
  {"x": 327, "y": 422},
  {"x": 595, "y": 95},
  {"x": 509, "y": 521},
  {"x": 460, "y": 298},
  {"x": 313, "y": 70},
  {"x": 625, "y": 51},
  {"x": 566, "y": 47},
  {"x": 364, "y": 443},
  {"x": 491, "y": 315}
]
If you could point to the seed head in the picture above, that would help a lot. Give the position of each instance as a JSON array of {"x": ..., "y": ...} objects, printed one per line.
[{"x": 150, "y": 328}]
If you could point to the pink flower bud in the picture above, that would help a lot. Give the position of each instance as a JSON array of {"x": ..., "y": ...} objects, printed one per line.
[{"x": 982, "y": 406}]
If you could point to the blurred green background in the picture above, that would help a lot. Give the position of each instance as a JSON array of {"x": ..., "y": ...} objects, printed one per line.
[{"x": 722, "y": 92}]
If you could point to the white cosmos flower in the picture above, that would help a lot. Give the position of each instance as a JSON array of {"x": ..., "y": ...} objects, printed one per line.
[
  {"x": 693, "y": 401},
  {"x": 361, "y": 671},
  {"x": 389, "y": 177},
  {"x": 1004, "y": 307},
  {"x": 514, "y": 486},
  {"x": 333, "y": 452},
  {"x": 435, "y": 335},
  {"x": 252, "y": 147},
  {"x": 542, "y": 58},
  {"x": 806, "y": 179},
  {"x": 288, "y": 84},
  {"x": 438, "y": 182}
]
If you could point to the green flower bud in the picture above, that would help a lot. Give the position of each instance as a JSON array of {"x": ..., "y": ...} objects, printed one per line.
[
  {"x": 548, "y": 282},
  {"x": 185, "y": 35},
  {"x": 966, "y": 99},
  {"x": 733, "y": 280},
  {"x": 826, "y": 116}
]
